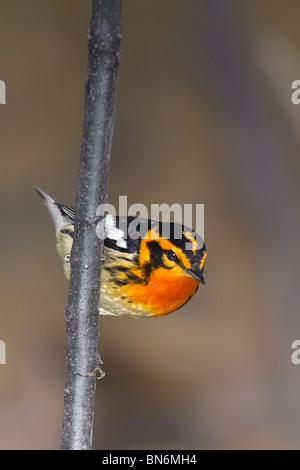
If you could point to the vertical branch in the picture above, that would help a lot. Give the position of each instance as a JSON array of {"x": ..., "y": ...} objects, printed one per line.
[{"x": 82, "y": 316}]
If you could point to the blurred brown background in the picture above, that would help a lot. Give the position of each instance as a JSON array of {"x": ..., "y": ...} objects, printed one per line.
[{"x": 203, "y": 115}]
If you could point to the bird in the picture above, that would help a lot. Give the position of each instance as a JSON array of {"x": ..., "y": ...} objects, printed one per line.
[{"x": 146, "y": 274}]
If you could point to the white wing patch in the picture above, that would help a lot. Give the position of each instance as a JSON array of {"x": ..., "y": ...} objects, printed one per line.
[{"x": 113, "y": 232}]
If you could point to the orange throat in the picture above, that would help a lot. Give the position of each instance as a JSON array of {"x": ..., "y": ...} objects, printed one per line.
[{"x": 166, "y": 291}]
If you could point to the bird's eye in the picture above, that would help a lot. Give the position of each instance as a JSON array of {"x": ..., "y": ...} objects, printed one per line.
[{"x": 171, "y": 255}]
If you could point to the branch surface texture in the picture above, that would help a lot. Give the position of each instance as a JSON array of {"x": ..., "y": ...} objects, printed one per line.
[{"x": 82, "y": 315}]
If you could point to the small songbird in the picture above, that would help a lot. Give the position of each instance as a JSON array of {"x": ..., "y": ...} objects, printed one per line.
[{"x": 144, "y": 276}]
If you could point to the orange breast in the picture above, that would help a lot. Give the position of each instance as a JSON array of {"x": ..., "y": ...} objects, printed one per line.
[{"x": 166, "y": 291}]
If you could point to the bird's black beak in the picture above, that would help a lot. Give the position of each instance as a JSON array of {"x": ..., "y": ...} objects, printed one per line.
[{"x": 196, "y": 273}]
